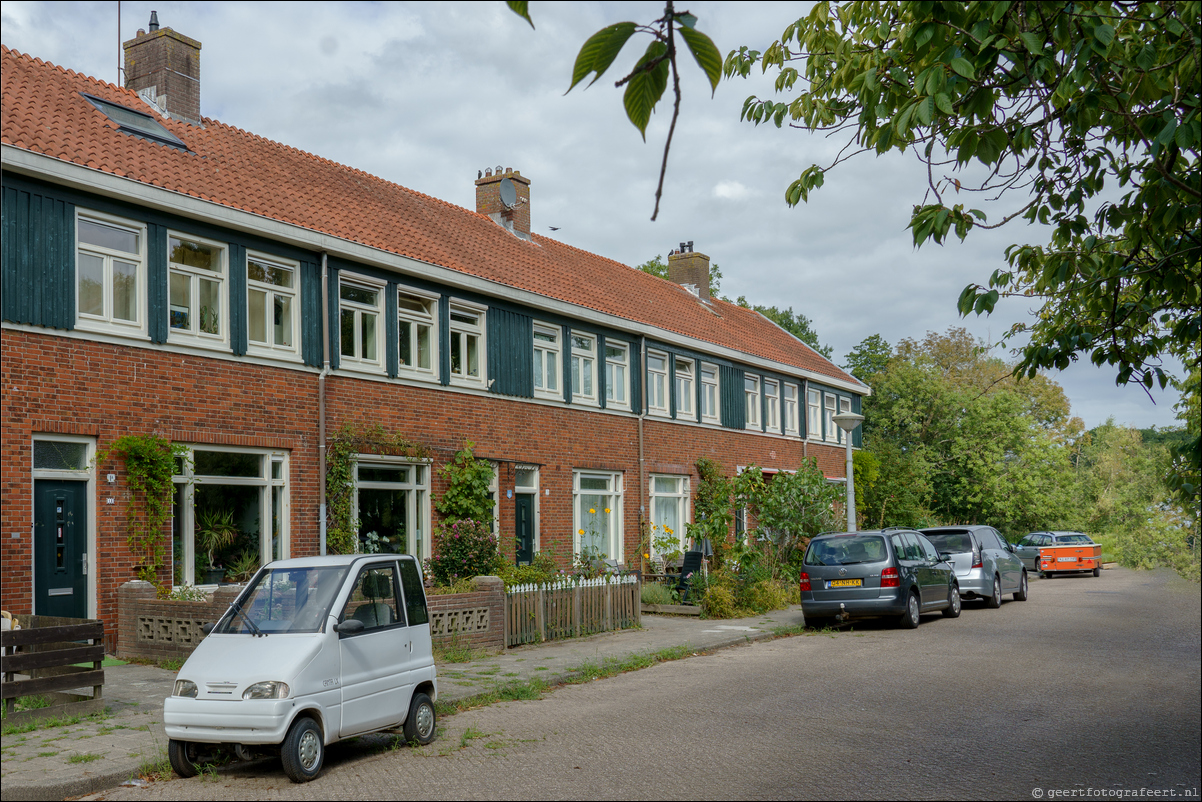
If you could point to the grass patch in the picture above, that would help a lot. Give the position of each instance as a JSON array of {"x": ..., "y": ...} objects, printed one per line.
[
  {"x": 47, "y": 754},
  {"x": 86, "y": 757},
  {"x": 157, "y": 767},
  {"x": 469, "y": 735},
  {"x": 453, "y": 652},
  {"x": 53, "y": 721}
]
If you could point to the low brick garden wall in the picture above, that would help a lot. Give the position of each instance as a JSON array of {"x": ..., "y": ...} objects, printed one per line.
[{"x": 470, "y": 620}]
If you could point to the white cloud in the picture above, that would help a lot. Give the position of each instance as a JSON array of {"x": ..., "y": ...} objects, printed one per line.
[{"x": 731, "y": 190}]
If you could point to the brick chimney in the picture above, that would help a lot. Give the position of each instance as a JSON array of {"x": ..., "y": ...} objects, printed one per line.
[
  {"x": 490, "y": 195},
  {"x": 164, "y": 68},
  {"x": 690, "y": 270}
]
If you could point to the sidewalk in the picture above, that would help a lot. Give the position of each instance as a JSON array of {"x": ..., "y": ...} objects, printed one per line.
[{"x": 58, "y": 762}]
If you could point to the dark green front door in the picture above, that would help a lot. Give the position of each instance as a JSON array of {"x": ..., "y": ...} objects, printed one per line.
[
  {"x": 524, "y": 515},
  {"x": 60, "y": 542}
]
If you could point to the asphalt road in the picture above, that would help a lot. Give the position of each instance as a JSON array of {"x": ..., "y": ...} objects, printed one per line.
[{"x": 1091, "y": 686}]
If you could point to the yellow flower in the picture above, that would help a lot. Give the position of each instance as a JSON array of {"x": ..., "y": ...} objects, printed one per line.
[
  {"x": 607, "y": 510},
  {"x": 653, "y": 527},
  {"x": 592, "y": 511},
  {"x": 581, "y": 531},
  {"x": 646, "y": 556},
  {"x": 668, "y": 529}
]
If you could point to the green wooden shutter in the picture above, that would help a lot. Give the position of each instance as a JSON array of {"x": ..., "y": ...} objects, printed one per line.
[
  {"x": 38, "y": 259},
  {"x": 511, "y": 353},
  {"x": 158, "y": 320},
  {"x": 239, "y": 334},
  {"x": 733, "y": 403},
  {"x": 392, "y": 332},
  {"x": 310, "y": 322},
  {"x": 335, "y": 344}
]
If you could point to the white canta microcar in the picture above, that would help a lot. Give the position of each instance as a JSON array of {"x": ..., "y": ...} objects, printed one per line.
[{"x": 314, "y": 650}]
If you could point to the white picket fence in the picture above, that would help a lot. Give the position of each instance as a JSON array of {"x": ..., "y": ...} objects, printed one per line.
[{"x": 569, "y": 608}]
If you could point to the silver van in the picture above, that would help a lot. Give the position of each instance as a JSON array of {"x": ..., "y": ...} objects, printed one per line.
[{"x": 986, "y": 565}]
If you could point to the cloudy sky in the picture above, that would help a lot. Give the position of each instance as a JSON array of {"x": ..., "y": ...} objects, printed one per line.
[{"x": 426, "y": 94}]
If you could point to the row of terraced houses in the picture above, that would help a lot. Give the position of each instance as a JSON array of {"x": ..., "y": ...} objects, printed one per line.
[{"x": 165, "y": 273}]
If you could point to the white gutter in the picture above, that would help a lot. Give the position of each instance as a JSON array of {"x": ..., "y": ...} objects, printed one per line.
[{"x": 69, "y": 174}]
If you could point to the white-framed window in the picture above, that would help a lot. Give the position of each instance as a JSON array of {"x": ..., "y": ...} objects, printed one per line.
[
  {"x": 584, "y": 368},
  {"x": 417, "y": 333},
  {"x": 597, "y": 513},
  {"x": 844, "y": 406},
  {"x": 828, "y": 407},
  {"x": 467, "y": 343},
  {"x": 657, "y": 383},
  {"x": 231, "y": 513},
  {"x": 360, "y": 314},
  {"x": 772, "y": 404},
  {"x": 547, "y": 363},
  {"x": 617, "y": 375},
  {"x": 791, "y": 419},
  {"x": 669, "y": 509},
  {"x": 710, "y": 411},
  {"x": 272, "y": 305},
  {"x": 110, "y": 274},
  {"x": 814, "y": 415},
  {"x": 751, "y": 397},
  {"x": 684, "y": 388},
  {"x": 197, "y": 292},
  {"x": 392, "y": 504}
]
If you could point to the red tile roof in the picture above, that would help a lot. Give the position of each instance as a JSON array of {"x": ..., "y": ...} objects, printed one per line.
[{"x": 43, "y": 112}]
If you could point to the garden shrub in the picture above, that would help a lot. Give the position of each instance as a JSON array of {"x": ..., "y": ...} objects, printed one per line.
[
  {"x": 762, "y": 596},
  {"x": 718, "y": 601},
  {"x": 541, "y": 570},
  {"x": 657, "y": 593},
  {"x": 463, "y": 549}
]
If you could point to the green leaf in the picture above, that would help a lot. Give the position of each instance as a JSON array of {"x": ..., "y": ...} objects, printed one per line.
[
  {"x": 963, "y": 66},
  {"x": 600, "y": 51},
  {"x": 521, "y": 8},
  {"x": 687, "y": 20},
  {"x": 944, "y": 103},
  {"x": 646, "y": 87},
  {"x": 1033, "y": 43},
  {"x": 707, "y": 54},
  {"x": 1104, "y": 34}
]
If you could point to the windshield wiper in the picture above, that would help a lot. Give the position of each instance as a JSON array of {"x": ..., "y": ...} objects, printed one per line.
[{"x": 237, "y": 608}]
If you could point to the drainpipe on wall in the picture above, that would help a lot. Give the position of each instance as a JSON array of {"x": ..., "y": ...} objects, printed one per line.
[
  {"x": 642, "y": 415},
  {"x": 321, "y": 397}
]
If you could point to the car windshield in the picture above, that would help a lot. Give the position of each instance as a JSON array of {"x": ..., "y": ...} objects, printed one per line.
[
  {"x": 1073, "y": 539},
  {"x": 847, "y": 550},
  {"x": 284, "y": 600},
  {"x": 951, "y": 542}
]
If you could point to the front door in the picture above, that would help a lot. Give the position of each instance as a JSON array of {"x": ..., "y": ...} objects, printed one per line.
[
  {"x": 524, "y": 514},
  {"x": 60, "y": 542}
]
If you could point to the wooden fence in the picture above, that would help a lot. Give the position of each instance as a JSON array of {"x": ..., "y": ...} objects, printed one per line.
[
  {"x": 571, "y": 608},
  {"x": 46, "y": 653}
]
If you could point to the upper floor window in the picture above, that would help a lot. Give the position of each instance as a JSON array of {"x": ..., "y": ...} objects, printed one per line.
[
  {"x": 751, "y": 394},
  {"x": 546, "y": 361},
  {"x": 360, "y": 310},
  {"x": 844, "y": 406},
  {"x": 584, "y": 367},
  {"x": 271, "y": 299},
  {"x": 791, "y": 419},
  {"x": 467, "y": 343},
  {"x": 198, "y": 294},
  {"x": 684, "y": 388},
  {"x": 709, "y": 393},
  {"x": 110, "y": 269},
  {"x": 617, "y": 374},
  {"x": 828, "y": 417},
  {"x": 771, "y": 405},
  {"x": 657, "y": 383},
  {"x": 814, "y": 414},
  {"x": 417, "y": 342}
]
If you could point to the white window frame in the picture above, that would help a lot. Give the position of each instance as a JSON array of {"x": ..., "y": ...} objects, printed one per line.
[
  {"x": 683, "y": 508},
  {"x": 193, "y": 335},
  {"x": 617, "y": 365},
  {"x": 613, "y": 538},
  {"x": 772, "y": 404},
  {"x": 413, "y": 319},
  {"x": 814, "y": 414},
  {"x": 188, "y": 480},
  {"x": 584, "y": 368},
  {"x": 657, "y": 385},
  {"x": 711, "y": 397},
  {"x": 844, "y": 406},
  {"x": 751, "y": 401},
  {"x": 105, "y": 322},
  {"x": 829, "y": 405},
  {"x": 685, "y": 387},
  {"x": 271, "y": 348},
  {"x": 467, "y": 330},
  {"x": 419, "y": 501},
  {"x": 548, "y": 379},
  {"x": 357, "y": 361},
  {"x": 790, "y": 407}
]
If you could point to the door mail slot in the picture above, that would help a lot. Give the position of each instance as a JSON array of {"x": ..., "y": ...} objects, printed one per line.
[{"x": 61, "y": 591}]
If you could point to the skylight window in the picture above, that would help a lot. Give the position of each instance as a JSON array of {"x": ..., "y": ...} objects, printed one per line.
[{"x": 137, "y": 124}]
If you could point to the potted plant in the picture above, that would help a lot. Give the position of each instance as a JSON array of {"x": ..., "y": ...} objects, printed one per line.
[{"x": 215, "y": 530}]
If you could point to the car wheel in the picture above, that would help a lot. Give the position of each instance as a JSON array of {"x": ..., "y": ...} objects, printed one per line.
[
  {"x": 421, "y": 724},
  {"x": 182, "y": 755},
  {"x": 1021, "y": 593},
  {"x": 909, "y": 619},
  {"x": 995, "y": 599},
  {"x": 1097, "y": 572},
  {"x": 303, "y": 751},
  {"x": 953, "y": 603}
]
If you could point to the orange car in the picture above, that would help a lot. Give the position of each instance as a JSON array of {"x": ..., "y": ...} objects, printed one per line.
[{"x": 1069, "y": 552}]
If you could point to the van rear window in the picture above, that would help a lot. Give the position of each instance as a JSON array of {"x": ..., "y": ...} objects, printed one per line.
[{"x": 847, "y": 550}]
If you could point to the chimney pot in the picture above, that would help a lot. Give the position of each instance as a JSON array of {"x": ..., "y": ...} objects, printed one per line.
[
  {"x": 690, "y": 270},
  {"x": 488, "y": 200},
  {"x": 168, "y": 62},
  {"x": 154, "y": 20}
]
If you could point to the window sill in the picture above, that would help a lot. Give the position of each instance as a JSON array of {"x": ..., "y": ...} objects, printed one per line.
[
  {"x": 97, "y": 327},
  {"x": 194, "y": 341},
  {"x": 273, "y": 353}
]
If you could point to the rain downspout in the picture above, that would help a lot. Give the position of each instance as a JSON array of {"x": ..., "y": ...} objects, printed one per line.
[
  {"x": 321, "y": 397},
  {"x": 642, "y": 415}
]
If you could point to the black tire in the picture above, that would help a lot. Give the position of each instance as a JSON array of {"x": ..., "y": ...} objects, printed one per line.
[
  {"x": 303, "y": 751},
  {"x": 994, "y": 600},
  {"x": 953, "y": 603},
  {"x": 909, "y": 619},
  {"x": 1097, "y": 572},
  {"x": 182, "y": 755},
  {"x": 1021, "y": 593},
  {"x": 421, "y": 725}
]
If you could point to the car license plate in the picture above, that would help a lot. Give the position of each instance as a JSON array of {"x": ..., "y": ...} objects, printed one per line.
[
  {"x": 1066, "y": 559},
  {"x": 844, "y": 583}
]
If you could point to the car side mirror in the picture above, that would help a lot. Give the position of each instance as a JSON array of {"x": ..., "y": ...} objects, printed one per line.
[
  {"x": 349, "y": 627},
  {"x": 207, "y": 627}
]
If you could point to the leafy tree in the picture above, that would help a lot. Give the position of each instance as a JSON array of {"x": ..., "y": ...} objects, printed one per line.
[
  {"x": 1080, "y": 116},
  {"x": 466, "y": 496},
  {"x": 868, "y": 358}
]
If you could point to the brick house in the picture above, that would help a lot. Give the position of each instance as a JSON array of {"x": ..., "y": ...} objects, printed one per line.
[{"x": 168, "y": 274}]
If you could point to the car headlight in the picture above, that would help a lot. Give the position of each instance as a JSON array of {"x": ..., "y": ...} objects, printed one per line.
[
  {"x": 266, "y": 690},
  {"x": 184, "y": 687}
]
